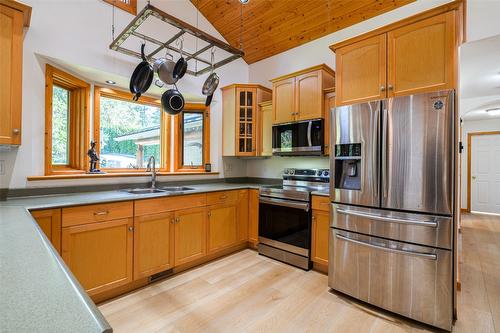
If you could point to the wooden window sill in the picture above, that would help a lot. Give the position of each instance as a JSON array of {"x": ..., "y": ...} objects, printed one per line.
[{"x": 119, "y": 174}]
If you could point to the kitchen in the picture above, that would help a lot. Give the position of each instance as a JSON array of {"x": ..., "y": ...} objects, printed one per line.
[{"x": 214, "y": 213}]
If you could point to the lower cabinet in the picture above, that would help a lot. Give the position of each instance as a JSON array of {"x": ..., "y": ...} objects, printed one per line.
[
  {"x": 190, "y": 230},
  {"x": 319, "y": 239},
  {"x": 99, "y": 254},
  {"x": 253, "y": 216},
  {"x": 222, "y": 226},
  {"x": 153, "y": 244},
  {"x": 49, "y": 221}
]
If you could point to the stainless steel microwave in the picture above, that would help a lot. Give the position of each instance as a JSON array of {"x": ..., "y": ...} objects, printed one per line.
[{"x": 299, "y": 138}]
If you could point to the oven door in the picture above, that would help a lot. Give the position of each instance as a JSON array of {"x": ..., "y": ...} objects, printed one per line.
[
  {"x": 299, "y": 138},
  {"x": 285, "y": 224}
]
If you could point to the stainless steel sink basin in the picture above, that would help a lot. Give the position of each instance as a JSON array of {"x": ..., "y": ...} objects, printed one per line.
[
  {"x": 144, "y": 190},
  {"x": 177, "y": 188}
]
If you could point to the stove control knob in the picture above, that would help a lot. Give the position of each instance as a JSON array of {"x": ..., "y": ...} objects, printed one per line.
[
  {"x": 318, "y": 173},
  {"x": 286, "y": 171},
  {"x": 292, "y": 172},
  {"x": 326, "y": 173}
]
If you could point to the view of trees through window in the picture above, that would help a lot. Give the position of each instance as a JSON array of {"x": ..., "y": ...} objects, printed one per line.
[
  {"x": 129, "y": 134},
  {"x": 60, "y": 125},
  {"x": 192, "y": 138}
]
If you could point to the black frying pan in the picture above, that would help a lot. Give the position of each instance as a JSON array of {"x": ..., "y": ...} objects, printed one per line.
[{"x": 142, "y": 77}]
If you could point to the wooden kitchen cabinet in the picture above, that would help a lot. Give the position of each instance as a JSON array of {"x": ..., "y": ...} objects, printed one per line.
[
  {"x": 241, "y": 122},
  {"x": 265, "y": 129},
  {"x": 190, "y": 235},
  {"x": 243, "y": 211},
  {"x": 222, "y": 226},
  {"x": 416, "y": 55},
  {"x": 99, "y": 254},
  {"x": 329, "y": 106},
  {"x": 299, "y": 95},
  {"x": 13, "y": 17},
  {"x": 320, "y": 231},
  {"x": 253, "y": 217},
  {"x": 153, "y": 244},
  {"x": 49, "y": 221}
]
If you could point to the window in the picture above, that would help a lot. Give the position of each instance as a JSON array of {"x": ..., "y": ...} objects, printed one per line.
[
  {"x": 126, "y": 5},
  {"x": 193, "y": 138},
  {"x": 127, "y": 133},
  {"x": 66, "y": 122}
]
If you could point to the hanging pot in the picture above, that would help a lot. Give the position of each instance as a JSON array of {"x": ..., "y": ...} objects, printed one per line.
[
  {"x": 142, "y": 77},
  {"x": 164, "y": 67},
  {"x": 181, "y": 65},
  {"x": 172, "y": 101}
]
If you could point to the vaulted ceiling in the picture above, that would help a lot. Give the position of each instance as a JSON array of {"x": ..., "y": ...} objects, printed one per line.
[{"x": 274, "y": 26}]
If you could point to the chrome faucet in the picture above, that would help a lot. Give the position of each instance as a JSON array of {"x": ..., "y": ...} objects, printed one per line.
[{"x": 152, "y": 168}]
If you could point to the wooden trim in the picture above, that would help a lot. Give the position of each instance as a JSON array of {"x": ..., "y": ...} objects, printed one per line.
[
  {"x": 328, "y": 90},
  {"x": 455, "y": 5},
  {"x": 178, "y": 166},
  {"x": 304, "y": 71},
  {"x": 266, "y": 103},
  {"x": 246, "y": 85},
  {"x": 25, "y": 9},
  {"x": 78, "y": 124},
  {"x": 469, "y": 154},
  {"x": 463, "y": 210},
  {"x": 130, "y": 7},
  {"x": 120, "y": 174}
]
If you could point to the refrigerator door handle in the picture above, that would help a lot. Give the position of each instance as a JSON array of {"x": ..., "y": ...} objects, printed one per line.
[
  {"x": 432, "y": 224},
  {"x": 430, "y": 256},
  {"x": 384, "y": 163}
]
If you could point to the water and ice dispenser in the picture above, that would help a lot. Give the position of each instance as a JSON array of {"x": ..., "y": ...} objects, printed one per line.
[{"x": 348, "y": 166}]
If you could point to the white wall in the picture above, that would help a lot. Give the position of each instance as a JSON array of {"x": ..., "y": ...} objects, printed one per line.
[
  {"x": 468, "y": 126},
  {"x": 79, "y": 32}
]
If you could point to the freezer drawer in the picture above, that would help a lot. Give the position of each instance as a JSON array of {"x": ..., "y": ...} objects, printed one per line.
[
  {"x": 421, "y": 229},
  {"x": 414, "y": 281}
]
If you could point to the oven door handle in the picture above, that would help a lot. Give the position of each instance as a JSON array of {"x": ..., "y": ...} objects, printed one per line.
[
  {"x": 432, "y": 224},
  {"x": 430, "y": 256},
  {"x": 285, "y": 203}
]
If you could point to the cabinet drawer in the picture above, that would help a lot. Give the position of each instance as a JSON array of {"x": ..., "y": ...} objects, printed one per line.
[
  {"x": 166, "y": 204},
  {"x": 96, "y": 213},
  {"x": 222, "y": 197},
  {"x": 321, "y": 203}
]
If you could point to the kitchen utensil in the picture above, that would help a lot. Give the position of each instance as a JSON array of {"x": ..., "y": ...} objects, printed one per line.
[
  {"x": 180, "y": 67},
  {"x": 164, "y": 67},
  {"x": 172, "y": 101},
  {"x": 142, "y": 77},
  {"x": 211, "y": 82}
]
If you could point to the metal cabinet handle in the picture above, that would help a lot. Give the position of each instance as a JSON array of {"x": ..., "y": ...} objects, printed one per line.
[
  {"x": 222, "y": 197},
  {"x": 285, "y": 203},
  {"x": 104, "y": 212},
  {"x": 16, "y": 131},
  {"x": 432, "y": 224},
  {"x": 177, "y": 220},
  {"x": 430, "y": 256},
  {"x": 390, "y": 87},
  {"x": 382, "y": 88}
]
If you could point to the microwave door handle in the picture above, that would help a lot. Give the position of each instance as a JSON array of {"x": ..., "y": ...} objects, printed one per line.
[
  {"x": 285, "y": 203},
  {"x": 432, "y": 224},
  {"x": 430, "y": 256},
  {"x": 309, "y": 129}
]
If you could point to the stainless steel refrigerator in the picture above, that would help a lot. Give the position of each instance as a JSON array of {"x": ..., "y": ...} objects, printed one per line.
[{"x": 391, "y": 235}]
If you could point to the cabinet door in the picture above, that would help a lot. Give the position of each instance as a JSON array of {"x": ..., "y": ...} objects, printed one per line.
[
  {"x": 266, "y": 131},
  {"x": 422, "y": 56},
  {"x": 49, "y": 221},
  {"x": 11, "y": 60},
  {"x": 361, "y": 71},
  {"x": 190, "y": 235},
  {"x": 329, "y": 106},
  {"x": 246, "y": 121},
  {"x": 153, "y": 244},
  {"x": 253, "y": 216},
  {"x": 309, "y": 96},
  {"x": 222, "y": 227},
  {"x": 243, "y": 215},
  {"x": 99, "y": 254},
  {"x": 319, "y": 239},
  {"x": 284, "y": 101}
]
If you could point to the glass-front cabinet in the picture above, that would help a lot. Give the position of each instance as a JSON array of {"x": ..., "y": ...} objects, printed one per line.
[{"x": 242, "y": 122}]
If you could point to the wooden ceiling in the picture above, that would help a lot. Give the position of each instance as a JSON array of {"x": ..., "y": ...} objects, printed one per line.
[{"x": 274, "y": 26}]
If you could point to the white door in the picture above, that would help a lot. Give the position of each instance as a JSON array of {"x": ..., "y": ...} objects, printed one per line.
[{"x": 485, "y": 173}]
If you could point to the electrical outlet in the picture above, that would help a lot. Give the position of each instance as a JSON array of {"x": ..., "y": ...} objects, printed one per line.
[{"x": 2, "y": 167}]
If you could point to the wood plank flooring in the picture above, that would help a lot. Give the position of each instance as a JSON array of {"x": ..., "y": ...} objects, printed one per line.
[{"x": 245, "y": 292}]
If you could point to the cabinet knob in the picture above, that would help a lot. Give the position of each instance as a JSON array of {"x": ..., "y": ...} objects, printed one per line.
[
  {"x": 16, "y": 131},
  {"x": 382, "y": 88},
  {"x": 209, "y": 214},
  {"x": 130, "y": 228},
  {"x": 390, "y": 87}
]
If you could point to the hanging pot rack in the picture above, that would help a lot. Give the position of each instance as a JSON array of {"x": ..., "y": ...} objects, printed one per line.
[{"x": 184, "y": 28}]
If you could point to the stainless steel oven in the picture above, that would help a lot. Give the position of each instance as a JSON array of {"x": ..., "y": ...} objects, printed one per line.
[{"x": 299, "y": 138}]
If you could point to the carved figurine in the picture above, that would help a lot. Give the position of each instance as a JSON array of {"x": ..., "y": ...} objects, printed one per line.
[{"x": 93, "y": 158}]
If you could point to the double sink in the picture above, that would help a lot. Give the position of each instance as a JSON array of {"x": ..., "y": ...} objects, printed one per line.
[{"x": 173, "y": 189}]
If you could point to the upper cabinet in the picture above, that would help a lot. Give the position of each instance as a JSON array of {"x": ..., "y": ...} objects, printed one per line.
[
  {"x": 242, "y": 124},
  {"x": 299, "y": 96},
  {"x": 13, "y": 17},
  {"x": 413, "y": 56}
]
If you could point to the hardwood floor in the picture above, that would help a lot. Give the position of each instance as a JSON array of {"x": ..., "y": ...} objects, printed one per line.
[{"x": 245, "y": 292}]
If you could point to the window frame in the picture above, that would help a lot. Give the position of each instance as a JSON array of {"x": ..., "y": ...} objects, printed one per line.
[
  {"x": 163, "y": 165},
  {"x": 178, "y": 138},
  {"x": 78, "y": 121}
]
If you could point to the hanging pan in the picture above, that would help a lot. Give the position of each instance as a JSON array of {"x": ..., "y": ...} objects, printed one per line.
[
  {"x": 211, "y": 82},
  {"x": 181, "y": 65},
  {"x": 142, "y": 77}
]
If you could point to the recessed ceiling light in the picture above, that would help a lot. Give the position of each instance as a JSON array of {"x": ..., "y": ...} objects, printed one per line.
[
  {"x": 244, "y": 1},
  {"x": 493, "y": 111},
  {"x": 110, "y": 82}
]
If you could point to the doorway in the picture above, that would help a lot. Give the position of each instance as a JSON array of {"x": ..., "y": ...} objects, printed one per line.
[{"x": 483, "y": 190}]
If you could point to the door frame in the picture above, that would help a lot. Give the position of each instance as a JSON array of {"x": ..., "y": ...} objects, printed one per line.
[{"x": 469, "y": 154}]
